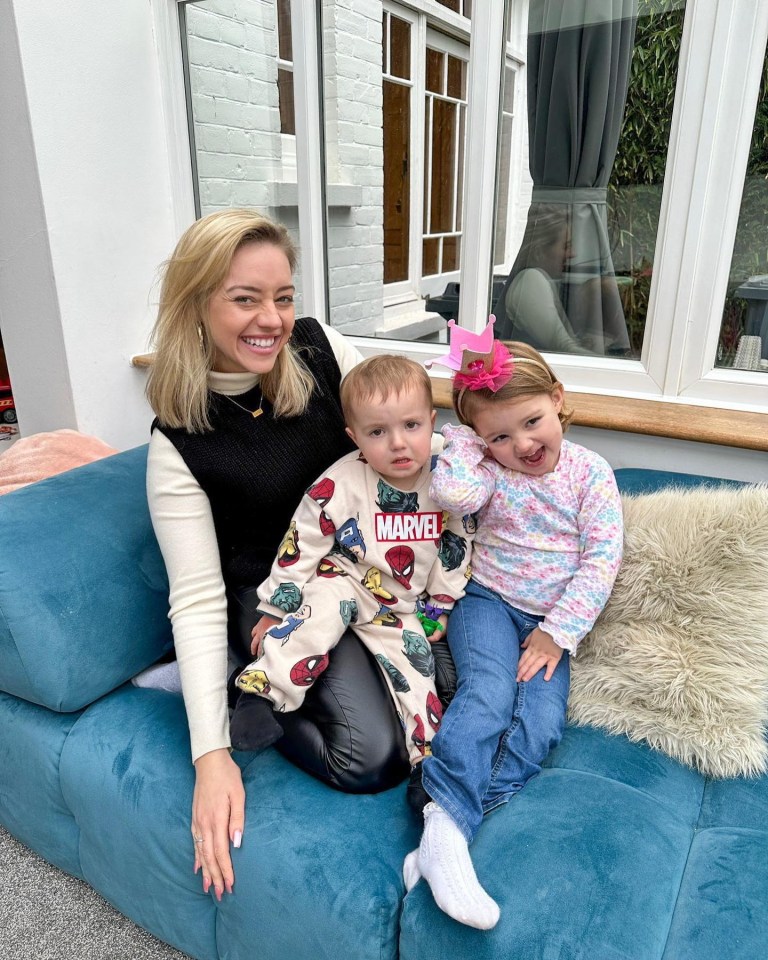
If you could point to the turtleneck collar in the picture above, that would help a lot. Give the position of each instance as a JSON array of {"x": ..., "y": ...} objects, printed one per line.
[{"x": 232, "y": 384}]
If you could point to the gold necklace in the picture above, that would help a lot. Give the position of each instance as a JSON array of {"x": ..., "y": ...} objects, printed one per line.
[{"x": 254, "y": 413}]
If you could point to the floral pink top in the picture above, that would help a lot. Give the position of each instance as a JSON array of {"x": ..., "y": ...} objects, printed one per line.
[{"x": 549, "y": 545}]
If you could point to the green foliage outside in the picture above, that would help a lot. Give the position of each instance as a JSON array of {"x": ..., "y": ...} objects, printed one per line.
[{"x": 634, "y": 193}]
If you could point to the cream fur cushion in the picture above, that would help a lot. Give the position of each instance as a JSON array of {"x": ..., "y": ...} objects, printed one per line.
[{"x": 679, "y": 656}]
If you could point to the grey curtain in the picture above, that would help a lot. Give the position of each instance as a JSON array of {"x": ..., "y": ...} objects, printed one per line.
[{"x": 579, "y": 58}]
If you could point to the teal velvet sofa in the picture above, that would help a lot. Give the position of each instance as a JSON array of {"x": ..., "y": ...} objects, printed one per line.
[{"x": 614, "y": 851}]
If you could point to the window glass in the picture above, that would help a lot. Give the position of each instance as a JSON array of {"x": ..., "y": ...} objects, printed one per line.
[
  {"x": 600, "y": 91},
  {"x": 743, "y": 339},
  {"x": 285, "y": 68},
  {"x": 395, "y": 127},
  {"x": 464, "y": 7},
  {"x": 237, "y": 61},
  {"x": 396, "y": 121}
]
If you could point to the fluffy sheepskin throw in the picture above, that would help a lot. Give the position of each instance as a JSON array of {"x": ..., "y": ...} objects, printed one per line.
[{"x": 679, "y": 656}]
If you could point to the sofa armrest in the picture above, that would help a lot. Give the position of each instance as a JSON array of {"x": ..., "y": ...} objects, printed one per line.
[{"x": 83, "y": 588}]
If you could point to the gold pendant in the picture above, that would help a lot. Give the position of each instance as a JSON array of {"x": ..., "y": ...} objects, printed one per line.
[{"x": 257, "y": 413}]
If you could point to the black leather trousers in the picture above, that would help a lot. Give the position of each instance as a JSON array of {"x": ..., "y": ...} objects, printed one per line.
[{"x": 347, "y": 732}]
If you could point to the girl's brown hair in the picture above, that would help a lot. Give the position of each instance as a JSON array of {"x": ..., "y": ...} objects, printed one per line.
[
  {"x": 177, "y": 388},
  {"x": 529, "y": 379}
]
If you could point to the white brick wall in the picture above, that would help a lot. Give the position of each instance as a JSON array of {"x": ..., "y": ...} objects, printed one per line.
[{"x": 353, "y": 103}]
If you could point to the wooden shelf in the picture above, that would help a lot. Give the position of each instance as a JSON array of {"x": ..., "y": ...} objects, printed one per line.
[{"x": 678, "y": 421}]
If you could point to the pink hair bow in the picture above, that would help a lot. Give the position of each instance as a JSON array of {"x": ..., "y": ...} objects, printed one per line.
[{"x": 478, "y": 360}]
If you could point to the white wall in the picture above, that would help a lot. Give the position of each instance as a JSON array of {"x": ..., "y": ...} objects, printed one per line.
[{"x": 86, "y": 211}]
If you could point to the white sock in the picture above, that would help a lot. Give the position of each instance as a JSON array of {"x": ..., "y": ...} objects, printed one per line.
[
  {"x": 445, "y": 864},
  {"x": 161, "y": 676},
  {"x": 411, "y": 872}
]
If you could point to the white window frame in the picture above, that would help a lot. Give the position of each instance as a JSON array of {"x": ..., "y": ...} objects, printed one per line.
[
  {"x": 424, "y": 19},
  {"x": 714, "y": 110},
  {"x": 433, "y": 284},
  {"x": 404, "y": 291},
  {"x": 721, "y": 59}
]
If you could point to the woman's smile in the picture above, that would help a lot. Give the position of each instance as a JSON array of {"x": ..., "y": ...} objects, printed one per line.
[{"x": 251, "y": 316}]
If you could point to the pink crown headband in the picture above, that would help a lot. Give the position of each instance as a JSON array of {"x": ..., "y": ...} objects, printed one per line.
[{"x": 479, "y": 361}]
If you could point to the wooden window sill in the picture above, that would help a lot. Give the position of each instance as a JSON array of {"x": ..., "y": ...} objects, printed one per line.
[{"x": 678, "y": 421}]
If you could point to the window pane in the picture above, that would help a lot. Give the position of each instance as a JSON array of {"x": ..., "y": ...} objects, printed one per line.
[
  {"x": 285, "y": 101},
  {"x": 579, "y": 277},
  {"x": 394, "y": 160},
  {"x": 400, "y": 48},
  {"x": 239, "y": 101},
  {"x": 397, "y": 123},
  {"x": 451, "y": 247},
  {"x": 744, "y": 332},
  {"x": 285, "y": 43},
  {"x": 457, "y": 71},
  {"x": 435, "y": 81},
  {"x": 464, "y": 7},
  {"x": 443, "y": 175},
  {"x": 431, "y": 257}
]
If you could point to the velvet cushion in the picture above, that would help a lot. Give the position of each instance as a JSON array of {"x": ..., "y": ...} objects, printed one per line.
[
  {"x": 318, "y": 876},
  {"x": 585, "y": 862},
  {"x": 679, "y": 656},
  {"x": 83, "y": 588},
  {"x": 32, "y": 807}
]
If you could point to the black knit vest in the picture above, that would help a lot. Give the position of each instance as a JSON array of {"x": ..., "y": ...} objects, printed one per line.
[{"x": 255, "y": 470}]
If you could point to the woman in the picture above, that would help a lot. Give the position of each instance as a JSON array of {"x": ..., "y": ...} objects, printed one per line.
[
  {"x": 248, "y": 415},
  {"x": 530, "y": 307}
]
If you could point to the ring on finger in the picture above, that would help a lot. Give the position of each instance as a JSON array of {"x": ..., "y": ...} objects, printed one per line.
[{"x": 198, "y": 839}]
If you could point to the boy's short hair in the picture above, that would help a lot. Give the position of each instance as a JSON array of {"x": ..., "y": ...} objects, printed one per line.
[
  {"x": 528, "y": 380},
  {"x": 382, "y": 376}
]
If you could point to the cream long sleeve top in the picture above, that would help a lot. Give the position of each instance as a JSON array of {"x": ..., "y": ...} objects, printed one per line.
[{"x": 183, "y": 523}]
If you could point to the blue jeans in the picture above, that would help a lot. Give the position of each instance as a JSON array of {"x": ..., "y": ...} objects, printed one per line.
[{"x": 496, "y": 732}]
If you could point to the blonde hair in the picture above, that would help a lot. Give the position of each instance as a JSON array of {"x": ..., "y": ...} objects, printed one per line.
[
  {"x": 528, "y": 380},
  {"x": 177, "y": 388},
  {"x": 381, "y": 376}
]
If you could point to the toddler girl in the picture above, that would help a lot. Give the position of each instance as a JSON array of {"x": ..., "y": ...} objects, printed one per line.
[{"x": 547, "y": 550}]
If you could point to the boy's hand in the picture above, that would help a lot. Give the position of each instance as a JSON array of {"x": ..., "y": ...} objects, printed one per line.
[
  {"x": 440, "y": 634},
  {"x": 257, "y": 634},
  {"x": 540, "y": 651}
]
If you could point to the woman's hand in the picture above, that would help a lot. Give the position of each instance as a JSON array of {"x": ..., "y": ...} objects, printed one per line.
[
  {"x": 257, "y": 634},
  {"x": 218, "y": 817},
  {"x": 540, "y": 651}
]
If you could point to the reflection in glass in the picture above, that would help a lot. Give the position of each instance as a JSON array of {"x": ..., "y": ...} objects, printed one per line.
[
  {"x": 445, "y": 120},
  {"x": 237, "y": 55},
  {"x": 396, "y": 123},
  {"x": 285, "y": 68},
  {"x": 395, "y": 118},
  {"x": 744, "y": 332},
  {"x": 595, "y": 70},
  {"x": 464, "y": 7}
]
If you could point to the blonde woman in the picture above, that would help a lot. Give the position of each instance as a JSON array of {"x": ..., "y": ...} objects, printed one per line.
[{"x": 248, "y": 414}]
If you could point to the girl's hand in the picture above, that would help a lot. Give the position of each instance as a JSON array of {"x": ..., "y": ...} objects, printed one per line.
[
  {"x": 218, "y": 817},
  {"x": 540, "y": 651},
  {"x": 257, "y": 634}
]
